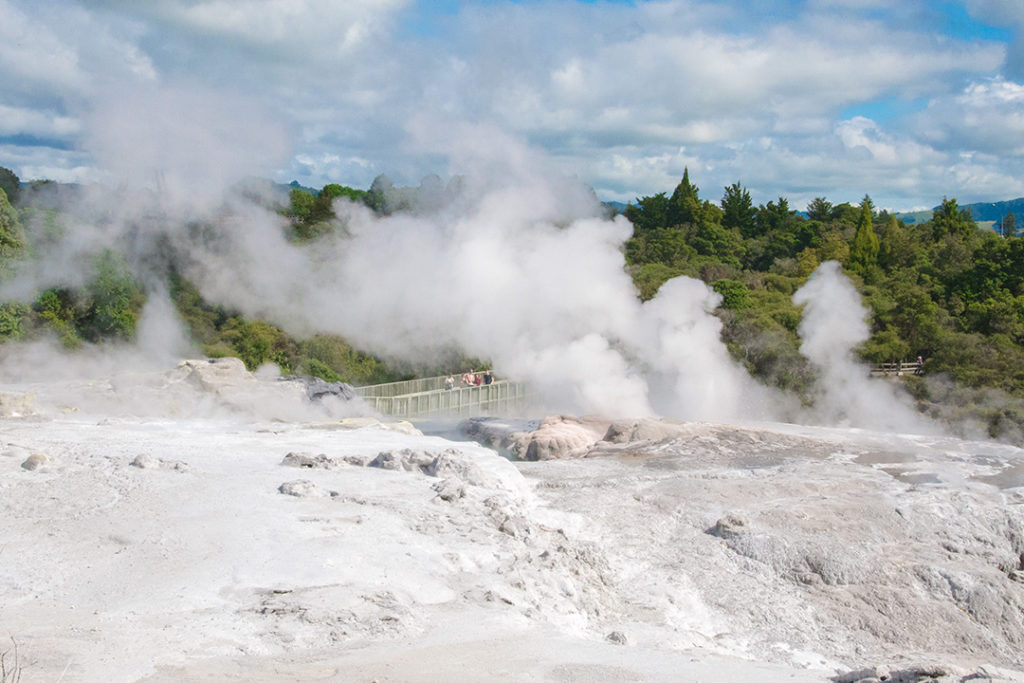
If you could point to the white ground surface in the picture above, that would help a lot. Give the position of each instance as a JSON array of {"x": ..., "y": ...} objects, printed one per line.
[{"x": 724, "y": 553}]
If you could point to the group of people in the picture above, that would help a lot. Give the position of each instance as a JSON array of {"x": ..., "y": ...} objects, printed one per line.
[{"x": 470, "y": 379}]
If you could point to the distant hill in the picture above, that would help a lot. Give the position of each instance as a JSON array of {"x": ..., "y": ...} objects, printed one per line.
[
  {"x": 982, "y": 212},
  {"x": 294, "y": 185}
]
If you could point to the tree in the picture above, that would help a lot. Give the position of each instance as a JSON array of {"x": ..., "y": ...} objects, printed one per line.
[
  {"x": 377, "y": 196},
  {"x": 116, "y": 300},
  {"x": 12, "y": 236},
  {"x": 819, "y": 209},
  {"x": 649, "y": 213},
  {"x": 684, "y": 206},
  {"x": 301, "y": 203},
  {"x": 949, "y": 219},
  {"x": 772, "y": 216},
  {"x": 864, "y": 252},
  {"x": 1009, "y": 225},
  {"x": 737, "y": 209},
  {"x": 10, "y": 184}
]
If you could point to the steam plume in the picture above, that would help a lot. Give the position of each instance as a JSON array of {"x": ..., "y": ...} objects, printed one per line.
[{"x": 833, "y": 324}]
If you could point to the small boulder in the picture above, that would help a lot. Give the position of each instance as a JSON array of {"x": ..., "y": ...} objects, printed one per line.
[
  {"x": 304, "y": 488},
  {"x": 405, "y": 459},
  {"x": 145, "y": 461},
  {"x": 617, "y": 637},
  {"x": 449, "y": 490},
  {"x": 729, "y": 526},
  {"x": 34, "y": 461}
]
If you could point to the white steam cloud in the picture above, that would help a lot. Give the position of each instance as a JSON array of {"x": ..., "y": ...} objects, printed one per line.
[
  {"x": 522, "y": 270},
  {"x": 519, "y": 265},
  {"x": 833, "y": 324}
]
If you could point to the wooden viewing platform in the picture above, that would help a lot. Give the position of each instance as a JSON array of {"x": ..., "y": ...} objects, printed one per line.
[
  {"x": 896, "y": 369},
  {"x": 418, "y": 398}
]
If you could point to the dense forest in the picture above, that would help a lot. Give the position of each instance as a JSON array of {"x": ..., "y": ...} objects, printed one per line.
[{"x": 943, "y": 289}]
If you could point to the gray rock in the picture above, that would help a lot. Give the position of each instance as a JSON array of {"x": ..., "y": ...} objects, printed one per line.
[
  {"x": 405, "y": 459},
  {"x": 617, "y": 637},
  {"x": 305, "y": 461},
  {"x": 145, "y": 461},
  {"x": 34, "y": 461},
  {"x": 631, "y": 431},
  {"x": 304, "y": 488},
  {"x": 449, "y": 490},
  {"x": 317, "y": 388}
]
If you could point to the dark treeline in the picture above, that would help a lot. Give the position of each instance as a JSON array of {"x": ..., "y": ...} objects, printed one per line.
[{"x": 943, "y": 289}]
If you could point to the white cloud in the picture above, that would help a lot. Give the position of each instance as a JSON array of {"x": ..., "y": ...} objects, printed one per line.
[
  {"x": 32, "y": 55},
  {"x": 986, "y": 116},
  {"x": 625, "y": 96},
  {"x": 35, "y": 162},
  {"x": 37, "y": 123},
  {"x": 310, "y": 29}
]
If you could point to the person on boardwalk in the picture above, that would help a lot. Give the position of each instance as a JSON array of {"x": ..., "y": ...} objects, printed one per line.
[
  {"x": 488, "y": 377},
  {"x": 449, "y": 382}
]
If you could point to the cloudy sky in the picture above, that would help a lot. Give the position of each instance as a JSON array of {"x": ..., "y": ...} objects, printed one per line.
[{"x": 907, "y": 101}]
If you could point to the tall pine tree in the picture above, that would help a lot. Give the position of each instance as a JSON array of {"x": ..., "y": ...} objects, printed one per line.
[
  {"x": 1009, "y": 225},
  {"x": 864, "y": 252},
  {"x": 684, "y": 206},
  {"x": 738, "y": 210}
]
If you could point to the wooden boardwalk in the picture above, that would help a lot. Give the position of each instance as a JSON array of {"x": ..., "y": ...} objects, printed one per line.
[
  {"x": 901, "y": 369},
  {"x": 419, "y": 398}
]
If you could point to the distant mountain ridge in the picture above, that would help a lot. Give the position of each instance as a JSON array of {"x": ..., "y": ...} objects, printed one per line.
[{"x": 981, "y": 212}]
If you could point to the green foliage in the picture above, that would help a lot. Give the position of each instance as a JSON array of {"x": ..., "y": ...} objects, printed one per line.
[
  {"x": 762, "y": 337},
  {"x": 667, "y": 246},
  {"x": 945, "y": 290},
  {"x": 10, "y": 184},
  {"x": 819, "y": 209},
  {"x": 649, "y": 213},
  {"x": 738, "y": 210},
  {"x": 313, "y": 215},
  {"x": 377, "y": 196},
  {"x": 333, "y": 191},
  {"x": 115, "y": 301},
  {"x": 735, "y": 295},
  {"x": 258, "y": 342},
  {"x": 864, "y": 252},
  {"x": 55, "y": 309},
  {"x": 1008, "y": 225},
  {"x": 12, "y": 236},
  {"x": 684, "y": 206},
  {"x": 301, "y": 204},
  {"x": 949, "y": 219},
  {"x": 331, "y": 356},
  {"x": 14, "y": 319},
  {"x": 886, "y": 346},
  {"x": 649, "y": 277}
]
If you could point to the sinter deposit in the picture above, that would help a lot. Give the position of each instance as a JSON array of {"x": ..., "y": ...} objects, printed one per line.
[{"x": 303, "y": 544}]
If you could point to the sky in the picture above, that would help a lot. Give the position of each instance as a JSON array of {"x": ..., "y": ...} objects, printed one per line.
[{"x": 907, "y": 101}]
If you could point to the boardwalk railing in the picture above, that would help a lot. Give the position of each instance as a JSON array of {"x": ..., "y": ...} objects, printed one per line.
[
  {"x": 428, "y": 398},
  {"x": 412, "y": 386},
  {"x": 896, "y": 369}
]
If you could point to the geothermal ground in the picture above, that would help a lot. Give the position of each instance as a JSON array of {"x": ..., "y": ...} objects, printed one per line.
[{"x": 202, "y": 524}]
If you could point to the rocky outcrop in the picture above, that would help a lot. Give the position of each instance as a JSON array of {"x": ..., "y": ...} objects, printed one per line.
[{"x": 562, "y": 436}]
